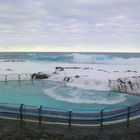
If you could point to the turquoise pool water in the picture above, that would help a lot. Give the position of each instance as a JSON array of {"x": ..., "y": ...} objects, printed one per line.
[{"x": 60, "y": 96}]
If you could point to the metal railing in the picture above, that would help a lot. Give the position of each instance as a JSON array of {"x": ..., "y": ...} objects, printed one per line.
[
  {"x": 15, "y": 77},
  {"x": 43, "y": 114}
]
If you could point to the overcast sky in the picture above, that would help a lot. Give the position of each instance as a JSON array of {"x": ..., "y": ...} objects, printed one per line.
[{"x": 70, "y": 25}]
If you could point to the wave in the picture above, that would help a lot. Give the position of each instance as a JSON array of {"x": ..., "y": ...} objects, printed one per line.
[
  {"x": 90, "y": 58},
  {"x": 78, "y": 96},
  {"x": 84, "y": 58},
  {"x": 50, "y": 58}
]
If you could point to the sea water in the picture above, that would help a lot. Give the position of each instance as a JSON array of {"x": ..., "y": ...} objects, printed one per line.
[
  {"x": 63, "y": 96},
  {"x": 87, "y": 58}
]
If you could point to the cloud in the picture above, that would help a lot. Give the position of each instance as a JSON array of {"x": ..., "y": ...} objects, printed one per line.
[{"x": 62, "y": 23}]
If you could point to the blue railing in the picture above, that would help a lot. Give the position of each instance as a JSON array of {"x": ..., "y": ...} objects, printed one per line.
[{"x": 41, "y": 114}]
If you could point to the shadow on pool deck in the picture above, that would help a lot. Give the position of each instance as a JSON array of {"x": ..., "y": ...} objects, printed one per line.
[{"x": 12, "y": 130}]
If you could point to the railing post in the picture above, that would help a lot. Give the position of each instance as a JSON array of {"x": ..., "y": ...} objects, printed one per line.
[
  {"x": 32, "y": 79},
  {"x": 128, "y": 114},
  {"x": 109, "y": 83},
  {"x": 21, "y": 113},
  {"x": 137, "y": 88},
  {"x": 39, "y": 117},
  {"x": 5, "y": 79},
  {"x": 101, "y": 119},
  {"x": 70, "y": 114},
  {"x": 19, "y": 78},
  {"x": 125, "y": 88}
]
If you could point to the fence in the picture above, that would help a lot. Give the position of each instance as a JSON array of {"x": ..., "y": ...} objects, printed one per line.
[
  {"x": 15, "y": 76},
  {"x": 43, "y": 114},
  {"x": 125, "y": 87}
]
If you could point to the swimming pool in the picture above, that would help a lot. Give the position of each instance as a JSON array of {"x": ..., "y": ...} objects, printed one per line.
[{"x": 60, "y": 96}]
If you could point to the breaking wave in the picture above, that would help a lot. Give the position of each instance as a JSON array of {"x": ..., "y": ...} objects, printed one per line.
[{"x": 84, "y": 58}]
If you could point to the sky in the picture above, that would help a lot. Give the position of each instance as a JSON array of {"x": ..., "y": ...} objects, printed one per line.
[{"x": 70, "y": 25}]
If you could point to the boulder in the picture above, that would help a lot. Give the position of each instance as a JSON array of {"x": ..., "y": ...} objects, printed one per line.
[
  {"x": 59, "y": 68},
  {"x": 39, "y": 75}
]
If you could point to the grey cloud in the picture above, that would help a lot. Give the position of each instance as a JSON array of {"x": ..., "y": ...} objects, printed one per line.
[{"x": 67, "y": 23}]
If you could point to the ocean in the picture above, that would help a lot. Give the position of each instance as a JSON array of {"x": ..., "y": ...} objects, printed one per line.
[
  {"x": 63, "y": 57},
  {"x": 90, "y": 90}
]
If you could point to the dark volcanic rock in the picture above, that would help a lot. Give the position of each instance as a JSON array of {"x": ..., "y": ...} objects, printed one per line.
[
  {"x": 59, "y": 68},
  {"x": 66, "y": 79},
  {"x": 77, "y": 76},
  {"x": 39, "y": 75}
]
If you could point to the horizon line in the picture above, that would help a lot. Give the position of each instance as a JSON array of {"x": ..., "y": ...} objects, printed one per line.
[{"x": 63, "y": 52}]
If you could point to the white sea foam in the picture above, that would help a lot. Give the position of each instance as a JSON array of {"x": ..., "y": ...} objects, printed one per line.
[
  {"x": 122, "y": 61},
  {"x": 89, "y": 84},
  {"x": 100, "y": 68},
  {"x": 32, "y": 54},
  {"x": 81, "y": 97},
  {"x": 95, "y": 77},
  {"x": 104, "y": 59},
  {"x": 83, "y": 58}
]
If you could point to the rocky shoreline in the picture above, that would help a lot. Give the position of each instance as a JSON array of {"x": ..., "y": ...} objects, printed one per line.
[{"x": 130, "y": 84}]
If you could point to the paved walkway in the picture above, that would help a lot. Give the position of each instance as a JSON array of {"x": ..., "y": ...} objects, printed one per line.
[{"x": 12, "y": 130}]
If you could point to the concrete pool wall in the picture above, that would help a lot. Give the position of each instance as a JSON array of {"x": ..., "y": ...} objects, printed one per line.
[{"x": 43, "y": 114}]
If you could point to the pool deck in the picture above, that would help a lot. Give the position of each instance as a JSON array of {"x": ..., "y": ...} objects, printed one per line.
[{"x": 13, "y": 130}]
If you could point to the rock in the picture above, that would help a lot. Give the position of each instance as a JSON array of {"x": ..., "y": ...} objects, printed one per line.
[
  {"x": 102, "y": 70},
  {"x": 126, "y": 84},
  {"x": 66, "y": 79},
  {"x": 130, "y": 84},
  {"x": 8, "y": 69},
  {"x": 86, "y": 68},
  {"x": 77, "y": 76},
  {"x": 121, "y": 81},
  {"x": 39, "y": 75},
  {"x": 59, "y": 68},
  {"x": 116, "y": 71},
  {"x": 62, "y": 68},
  {"x": 128, "y": 71},
  {"x": 72, "y": 68},
  {"x": 55, "y": 72}
]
